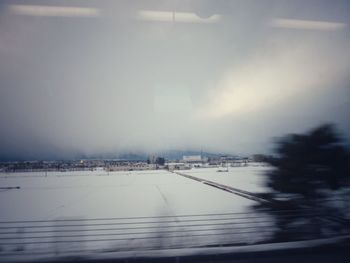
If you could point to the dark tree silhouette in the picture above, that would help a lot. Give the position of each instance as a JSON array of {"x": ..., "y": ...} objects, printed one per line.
[
  {"x": 308, "y": 168},
  {"x": 307, "y": 164}
]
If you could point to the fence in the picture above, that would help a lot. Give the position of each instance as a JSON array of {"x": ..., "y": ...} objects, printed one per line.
[{"x": 99, "y": 235}]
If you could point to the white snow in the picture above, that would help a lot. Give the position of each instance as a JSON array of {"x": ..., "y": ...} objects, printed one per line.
[
  {"x": 101, "y": 195},
  {"x": 250, "y": 178}
]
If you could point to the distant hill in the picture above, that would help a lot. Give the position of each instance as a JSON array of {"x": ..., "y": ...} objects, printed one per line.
[{"x": 128, "y": 156}]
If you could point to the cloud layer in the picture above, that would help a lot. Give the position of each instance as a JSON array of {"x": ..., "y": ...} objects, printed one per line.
[{"x": 113, "y": 83}]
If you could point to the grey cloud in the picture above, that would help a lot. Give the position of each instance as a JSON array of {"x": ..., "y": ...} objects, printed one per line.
[{"x": 113, "y": 83}]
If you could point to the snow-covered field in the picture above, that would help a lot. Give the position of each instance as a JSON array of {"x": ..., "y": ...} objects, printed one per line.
[
  {"x": 250, "y": 178},
  {"x": 126, "y": 210}
]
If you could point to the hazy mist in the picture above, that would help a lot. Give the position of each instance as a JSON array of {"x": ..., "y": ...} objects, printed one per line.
[{"x": 117, "y": 82}]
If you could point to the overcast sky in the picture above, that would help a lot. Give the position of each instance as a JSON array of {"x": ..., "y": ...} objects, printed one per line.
[{"x": 121, "y": 76}]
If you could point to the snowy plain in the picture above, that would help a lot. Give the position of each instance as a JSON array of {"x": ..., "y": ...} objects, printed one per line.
[
  {"x": 249, "y": 178},
  {"x": 121, "y": 211}
]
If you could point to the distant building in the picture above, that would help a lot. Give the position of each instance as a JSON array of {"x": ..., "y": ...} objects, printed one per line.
[
  {"x": 152, "y": 159},
  {"x": 214, "y": 161},
  {"x": 192, "y": 158},
  {"x": 156, "y": 160},
  {"x": 178, "y": 166},
  {"x": 260, "y": 158},
  {"x": 132, "y": 166}
]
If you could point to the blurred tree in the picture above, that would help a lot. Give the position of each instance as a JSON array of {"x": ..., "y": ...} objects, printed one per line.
[
  {"x": 308, "y": 168},
  {"x": 308, "y": 164}
]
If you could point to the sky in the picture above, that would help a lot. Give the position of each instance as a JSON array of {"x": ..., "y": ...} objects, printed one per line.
[{"x": 109, "y": 77}]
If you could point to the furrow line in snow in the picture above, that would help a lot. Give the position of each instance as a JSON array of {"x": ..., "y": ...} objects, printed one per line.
[{"x": 229, "y": 189}]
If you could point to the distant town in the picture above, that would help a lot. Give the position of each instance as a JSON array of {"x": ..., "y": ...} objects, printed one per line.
[{"x": 151, "y": 163}]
